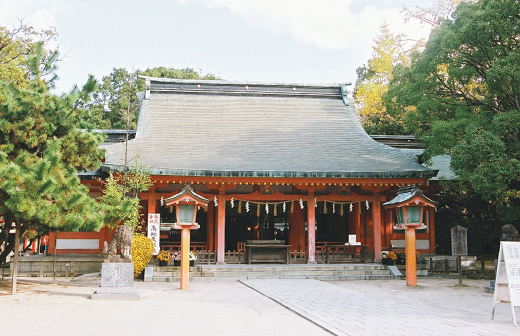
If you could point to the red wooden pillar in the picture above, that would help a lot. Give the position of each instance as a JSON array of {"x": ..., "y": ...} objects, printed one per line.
[
  {"x": 357, "y": 221},
  {"x": 210, "y": 244},
  {"x": 52, "y": 242},
  {"x": 297, "y": 229},
  {"x": 311, "y": 231},
  {"x": 376, "y": 220},
  {"x": 431, "y": 228},
  {"x": 221, "y": 227},
  {"x": 151, "y": 200}
]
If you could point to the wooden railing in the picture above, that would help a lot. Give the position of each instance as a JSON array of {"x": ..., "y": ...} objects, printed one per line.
[{"x": 172, "y": 247}]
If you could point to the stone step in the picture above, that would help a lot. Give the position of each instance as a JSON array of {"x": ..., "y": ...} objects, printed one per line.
[
  {"x": 259, "y": 276},
  {"x": 303, "y": 271},
  {"x": 237, "y": 272},
  {"x": 259, "y": 268}
]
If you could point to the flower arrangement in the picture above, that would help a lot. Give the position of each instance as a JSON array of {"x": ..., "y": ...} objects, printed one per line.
[
  {"x": 383, "y": 254},
  {"x": 401, "y": 255},
  {"x": 164, "y": 256},
  {"x": 176, "y": 255},
  {"x": 193, "y": 256},
  {"x": 391, "y": 255}
]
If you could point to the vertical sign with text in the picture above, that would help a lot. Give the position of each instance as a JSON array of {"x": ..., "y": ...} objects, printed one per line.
[
  {"x": 507, "y": 283},
  {"x": 154, "y": 230},
  {"x": 459, "y": 241}
]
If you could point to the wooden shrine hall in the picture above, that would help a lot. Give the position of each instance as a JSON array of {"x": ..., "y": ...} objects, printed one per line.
[{"x": 284, "y": 164}]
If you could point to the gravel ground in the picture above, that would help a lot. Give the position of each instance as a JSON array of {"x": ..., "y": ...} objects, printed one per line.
[{"x": 218, "y": 308}]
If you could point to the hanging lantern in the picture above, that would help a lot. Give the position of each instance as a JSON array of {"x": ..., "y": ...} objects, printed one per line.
[
  {"x": 409, "y": 205},
  {"x": 186, "y": 204}
]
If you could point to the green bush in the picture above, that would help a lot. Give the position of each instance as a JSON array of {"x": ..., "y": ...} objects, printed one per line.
[{"x": 142, "y": 251}]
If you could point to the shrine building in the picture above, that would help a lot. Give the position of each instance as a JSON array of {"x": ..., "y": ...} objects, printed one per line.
[{"x": 278, "y": 162}]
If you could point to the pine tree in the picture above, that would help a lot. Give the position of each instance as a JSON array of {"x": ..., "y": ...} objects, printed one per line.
[{"x": 41, "y": 151}]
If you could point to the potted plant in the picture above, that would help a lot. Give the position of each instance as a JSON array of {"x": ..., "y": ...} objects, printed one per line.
[
  {"x": 193, "y": 257},
  {"x": 164, "y": 258},
  {"x": 401, "y": 258},
  {"x": 388, "y": 257},
  {"x": 176, "y": 256}
]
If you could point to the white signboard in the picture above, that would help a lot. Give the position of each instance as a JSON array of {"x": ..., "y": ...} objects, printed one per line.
[
  {"x": 154, "y": 230},
  {"x": 507, "y": 283}
]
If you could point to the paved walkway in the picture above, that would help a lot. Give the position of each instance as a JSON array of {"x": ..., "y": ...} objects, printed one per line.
[{"x": 342, "y": 311}]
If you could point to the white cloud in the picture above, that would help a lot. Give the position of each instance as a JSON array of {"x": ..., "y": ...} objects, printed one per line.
[
  {"x": 39, "y": 14},
  {"x": 328, "y": 24}
]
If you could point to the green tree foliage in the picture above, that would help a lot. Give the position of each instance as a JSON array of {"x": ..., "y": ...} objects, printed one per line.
[
  {"x": 23, "y": 48},
  {"x": 41, "y": 150},
  {"x": 373, "y": 81},
  {"x": 120, "y": 198},
  {"x": 114, "y": 105},
  {"x": 462, "y": 93}
]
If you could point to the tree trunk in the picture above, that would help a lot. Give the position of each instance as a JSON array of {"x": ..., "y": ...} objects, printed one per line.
[{"x": 15, "y": 262}]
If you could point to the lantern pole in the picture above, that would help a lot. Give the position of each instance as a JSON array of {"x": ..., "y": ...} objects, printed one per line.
[
  {"x": 183, "y": 201},
  {"x": 410, "y": 197},
  {"x": 185, "y": 257},
  {"x": 411, "y": 256}
]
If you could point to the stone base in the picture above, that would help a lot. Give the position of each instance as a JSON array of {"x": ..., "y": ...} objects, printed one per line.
[{"x": 117, "y": 282}]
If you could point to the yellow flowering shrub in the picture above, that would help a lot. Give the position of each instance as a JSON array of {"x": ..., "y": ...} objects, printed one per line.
[{"x": 142, "y": 251}]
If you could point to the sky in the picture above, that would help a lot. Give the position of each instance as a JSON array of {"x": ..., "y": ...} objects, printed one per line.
[{"x": 277, "y": 41}]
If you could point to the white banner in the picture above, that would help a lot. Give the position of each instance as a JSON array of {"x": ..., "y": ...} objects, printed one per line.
[{"x": 154, "y": 230}]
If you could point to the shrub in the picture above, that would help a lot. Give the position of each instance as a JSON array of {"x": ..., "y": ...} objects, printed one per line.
[{"x": 142, "y": 251}]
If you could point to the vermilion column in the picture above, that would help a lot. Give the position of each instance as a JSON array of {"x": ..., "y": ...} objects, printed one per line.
[
  {"x": 311, "y": 231},
  {"x": 210, "y": 244},
  {"x": 151, "y": 200},
  {"x": 221, "y": 228},
  {"x": 376, "y": 217},
  {"x": 431, "y": 227},
  {"x": 185, "y": 258},
  {"x": 411, "y": 258}
]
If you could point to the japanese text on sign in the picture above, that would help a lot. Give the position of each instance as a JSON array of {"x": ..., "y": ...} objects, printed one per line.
[{"x": 154, "y": 231}]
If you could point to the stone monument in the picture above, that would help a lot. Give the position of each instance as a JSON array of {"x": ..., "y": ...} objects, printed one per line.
[
  {"x": 117, "y": 271},
  {"x": 510, "y": 233}
]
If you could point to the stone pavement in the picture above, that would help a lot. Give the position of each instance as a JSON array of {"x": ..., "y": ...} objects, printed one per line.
[{"x": 342, "y": 311}]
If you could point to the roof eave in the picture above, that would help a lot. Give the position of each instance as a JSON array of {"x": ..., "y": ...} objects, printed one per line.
[{"x": 281, "y": 174}]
